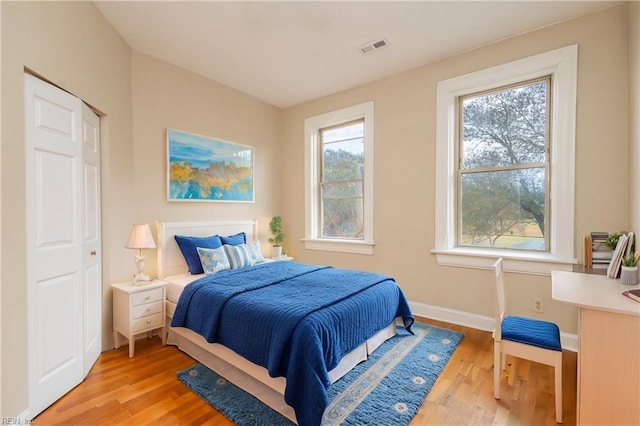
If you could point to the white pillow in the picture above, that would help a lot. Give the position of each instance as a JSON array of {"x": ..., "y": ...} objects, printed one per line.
[
  {"x": 255, "y": 253},
  {"x": 213, "y": 260}
]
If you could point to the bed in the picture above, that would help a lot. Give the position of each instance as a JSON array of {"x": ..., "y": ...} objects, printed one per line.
[{"x": 261, "y": 371}]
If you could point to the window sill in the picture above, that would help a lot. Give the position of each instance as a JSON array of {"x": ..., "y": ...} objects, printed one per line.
[
  {"x": 524, "y": 263},
  {"x": 344, "y": 246}
]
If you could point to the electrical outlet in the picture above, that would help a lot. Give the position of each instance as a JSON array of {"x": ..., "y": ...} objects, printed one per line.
[{"x": 538, "y": 305}]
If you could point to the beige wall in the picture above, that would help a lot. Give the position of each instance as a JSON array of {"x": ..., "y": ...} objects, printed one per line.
[
  {"x": 165, "y": 96},
  {"x": 405, "y": 169},
  {"x": 633, "y": 40},
  {"x": 72, "y": 45}
]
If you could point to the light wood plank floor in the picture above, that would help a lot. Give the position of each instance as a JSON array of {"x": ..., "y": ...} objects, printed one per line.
[{"x": 144, "y": 390}]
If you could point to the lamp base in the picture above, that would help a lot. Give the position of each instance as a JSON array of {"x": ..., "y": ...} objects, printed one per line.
[{"x": 142, "y": 279}]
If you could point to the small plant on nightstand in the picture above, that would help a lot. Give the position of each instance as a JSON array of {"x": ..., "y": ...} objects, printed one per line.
[{"x": 277, "y": 235}]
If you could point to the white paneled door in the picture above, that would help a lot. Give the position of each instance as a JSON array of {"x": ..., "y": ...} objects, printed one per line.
[
  {"x": 63, "y": 241},
  {"x": 91, "y": 264}
]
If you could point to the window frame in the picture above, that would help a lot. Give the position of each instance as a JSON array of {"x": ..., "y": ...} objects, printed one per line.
[
  {"x": 313, "y": 218},
  {"x": 561, "y": 64}
]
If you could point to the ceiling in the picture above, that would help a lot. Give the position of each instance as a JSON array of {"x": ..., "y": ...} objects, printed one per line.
[{"x": 289, "y": 52}]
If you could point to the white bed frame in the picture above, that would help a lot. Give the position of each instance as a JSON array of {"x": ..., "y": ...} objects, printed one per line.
[{"x": 251, "y": 377}]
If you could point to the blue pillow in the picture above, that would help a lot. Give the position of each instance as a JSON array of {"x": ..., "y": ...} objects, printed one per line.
[
  {"x": 234, "y": 240},
  {"x": 213, "y": 260},
  {"x": 188, "y": 246}
]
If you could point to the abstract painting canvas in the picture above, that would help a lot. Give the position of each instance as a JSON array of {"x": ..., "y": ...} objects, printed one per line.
[{"x": 202, "y": 168}]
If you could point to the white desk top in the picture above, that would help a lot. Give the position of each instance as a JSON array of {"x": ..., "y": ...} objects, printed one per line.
[{"x": 593, "y": 292}]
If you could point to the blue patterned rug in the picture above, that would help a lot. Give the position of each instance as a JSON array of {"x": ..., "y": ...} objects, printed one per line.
[{"x": 387, "y": 389}]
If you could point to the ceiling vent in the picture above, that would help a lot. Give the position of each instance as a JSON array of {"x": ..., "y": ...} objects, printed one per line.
[{"x": 373, "y": 46}]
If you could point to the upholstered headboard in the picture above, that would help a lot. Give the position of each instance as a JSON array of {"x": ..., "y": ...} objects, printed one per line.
[{"x": 170, "y": 259}]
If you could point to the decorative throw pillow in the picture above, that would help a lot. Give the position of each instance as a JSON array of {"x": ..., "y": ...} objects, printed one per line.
[
  {"x": 213, "y": 260},
  {"x": 234, "y": 240},
  {"x": 238, "y": 256},
  {"x": 188, "y": 247},
  {"x": 255, "y": 253}
]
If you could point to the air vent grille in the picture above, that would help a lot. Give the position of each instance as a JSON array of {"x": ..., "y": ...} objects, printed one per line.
[{"x": 373, "y": 46}]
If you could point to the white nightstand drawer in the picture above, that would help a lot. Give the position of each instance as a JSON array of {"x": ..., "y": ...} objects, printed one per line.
[
  {"x": 147, "y": 296},
  {"x": 148, "y": 322},
  {"x": 148, "y": 309}
]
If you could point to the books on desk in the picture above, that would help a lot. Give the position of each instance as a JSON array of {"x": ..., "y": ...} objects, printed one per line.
[
  {"x": 630, "y": 242},
  {"x": 598, "y": 255},
  {"x": 632, "y": 294},
  {"x": 616, "y": 258},
  {"x": 596, "y": 252}
]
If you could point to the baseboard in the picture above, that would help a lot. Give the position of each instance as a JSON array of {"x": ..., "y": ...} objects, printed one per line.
[
  {"x": 569, "y": 341},
  {"x": 479, "y": 322},
  {"x": 453, "y": 316},
  {"x": 23, "y": 418}
]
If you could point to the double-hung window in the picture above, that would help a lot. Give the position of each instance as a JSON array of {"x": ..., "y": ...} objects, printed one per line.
[
  {"x": 339, "y": 180},
  {"x": 342, "y": 181},
  {"x": 505, "y": 165}
]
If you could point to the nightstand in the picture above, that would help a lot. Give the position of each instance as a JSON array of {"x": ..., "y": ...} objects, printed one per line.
[
  {"x": 282, "y": 258},
  {"x": 138, "y": 309}
]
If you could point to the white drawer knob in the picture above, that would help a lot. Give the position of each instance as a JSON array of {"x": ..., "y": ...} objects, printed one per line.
[
  {"x": 148, "y": 321},
  {"x": 147, "y": 298}
]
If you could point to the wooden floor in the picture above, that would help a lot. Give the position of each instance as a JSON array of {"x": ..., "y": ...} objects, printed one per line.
[{"x": 144, "y": 390}]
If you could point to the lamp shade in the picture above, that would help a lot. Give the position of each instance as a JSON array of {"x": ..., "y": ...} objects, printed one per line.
[{"x": 140, "y": 237}]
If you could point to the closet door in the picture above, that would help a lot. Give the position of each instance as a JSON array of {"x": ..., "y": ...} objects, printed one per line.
[
  {"x": 62, "y": 216},
  {"x": 91, "y": 233}
]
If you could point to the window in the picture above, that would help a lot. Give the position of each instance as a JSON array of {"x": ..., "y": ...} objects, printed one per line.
[
  {"x": 342, "y": 181},
  {"x": 503, "y": 167},
  {"x": 339, "y": 180},
  {"x": 505, "y": 161}
]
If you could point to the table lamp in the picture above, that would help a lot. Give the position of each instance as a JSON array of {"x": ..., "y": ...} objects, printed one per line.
[{"x": 140, "y": 238}]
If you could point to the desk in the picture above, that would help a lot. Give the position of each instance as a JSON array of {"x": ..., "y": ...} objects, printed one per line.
[{"x": 608, "y": 347}]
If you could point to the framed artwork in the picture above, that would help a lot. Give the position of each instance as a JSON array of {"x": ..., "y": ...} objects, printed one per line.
[{"x": 201, "y": 168}]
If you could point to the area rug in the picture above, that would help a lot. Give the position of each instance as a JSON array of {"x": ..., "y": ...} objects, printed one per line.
[{"x": 387, "y": 389}]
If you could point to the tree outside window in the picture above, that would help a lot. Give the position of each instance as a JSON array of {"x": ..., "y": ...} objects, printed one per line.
[{"x": 503, "y": 173}]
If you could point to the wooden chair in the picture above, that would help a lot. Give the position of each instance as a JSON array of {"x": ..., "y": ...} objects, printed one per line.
[{"x": 527, "y": 338}]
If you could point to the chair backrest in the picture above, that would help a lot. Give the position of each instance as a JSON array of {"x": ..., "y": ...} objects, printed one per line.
[{"x": 499, "y": 304}]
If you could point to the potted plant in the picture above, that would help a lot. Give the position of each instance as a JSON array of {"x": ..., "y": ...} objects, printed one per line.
[
  {"x": 612, "y": 240},
  {"x": 629, "y": 273},
  {"x": 277, "y": 236}
]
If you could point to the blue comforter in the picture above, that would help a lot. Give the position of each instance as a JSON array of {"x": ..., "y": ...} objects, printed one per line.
[{"x": 296, "y": 320}]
